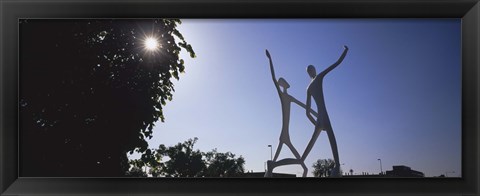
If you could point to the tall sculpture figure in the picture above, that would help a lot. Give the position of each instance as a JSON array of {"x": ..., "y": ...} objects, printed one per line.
[
  {"x": 286, "y": 100},
  {"x": 315, "y": 90}
]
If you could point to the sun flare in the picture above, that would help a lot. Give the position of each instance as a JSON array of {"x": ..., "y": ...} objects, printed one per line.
[{"x": 151, "y": 44}]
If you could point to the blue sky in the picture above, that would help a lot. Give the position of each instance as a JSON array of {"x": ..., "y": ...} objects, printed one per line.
[{"x": 396, "y": 96}]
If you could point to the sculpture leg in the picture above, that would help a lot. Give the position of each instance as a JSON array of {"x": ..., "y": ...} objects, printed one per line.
[
  {"x": 315, "y": 135},
  {"x": 297, "y": 155},
  {"x": 294, "y": 151},
  {"x": 270, "y": 166},
  {"x": 305, "y": 169},
  {"x": 333, "y": 145},
  {"x": 286, "y": 161},
  {"x": 277, "y": 153}
]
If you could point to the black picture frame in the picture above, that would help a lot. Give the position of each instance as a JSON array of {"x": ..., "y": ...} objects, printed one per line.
[{"x": 11, "y": 11}]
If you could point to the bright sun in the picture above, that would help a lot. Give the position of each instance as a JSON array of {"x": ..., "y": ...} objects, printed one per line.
[{"x": 151, "y": 44}]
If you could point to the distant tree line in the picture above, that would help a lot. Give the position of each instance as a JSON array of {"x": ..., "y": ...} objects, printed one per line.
[{"x": 181, "y": 160}]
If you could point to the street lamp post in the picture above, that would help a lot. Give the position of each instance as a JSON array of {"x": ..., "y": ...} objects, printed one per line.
[
  {"x": 381, "y": 170},
  {"x": 271, "y": 153}
]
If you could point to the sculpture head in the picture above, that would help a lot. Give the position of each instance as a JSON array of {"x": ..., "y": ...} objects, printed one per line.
[
  {"x": 312, "y": 72},
  {"x": 283, "y": 83}
]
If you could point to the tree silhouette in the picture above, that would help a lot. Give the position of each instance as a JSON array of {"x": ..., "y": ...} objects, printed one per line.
[
  {"x": 136, "y": 172},
  {"x": 323, "y": 167},
  {"x": 90, "y": 93},
  {"x": 223, "y": 164},
  {"x": 183, "y": 161}
]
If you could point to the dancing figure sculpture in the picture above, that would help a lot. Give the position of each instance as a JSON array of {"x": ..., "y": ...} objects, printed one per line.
[
  {"x": 285, "y": 100},
  {"x": 315, "y": 90}
]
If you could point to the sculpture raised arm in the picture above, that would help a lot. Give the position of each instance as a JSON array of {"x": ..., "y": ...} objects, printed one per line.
[
  {"x": 338, "y": 61},
  {"x": 272, "y": 70}
]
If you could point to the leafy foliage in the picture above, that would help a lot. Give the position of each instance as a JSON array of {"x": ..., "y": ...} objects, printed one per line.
[
  {"x": 136, "y": 172},
  {"x": 183, "y": 161},
  {"x": 223, "y": 164},
  {"x": 90, "y": 93},
  {"x": 323, "y": 167}
]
